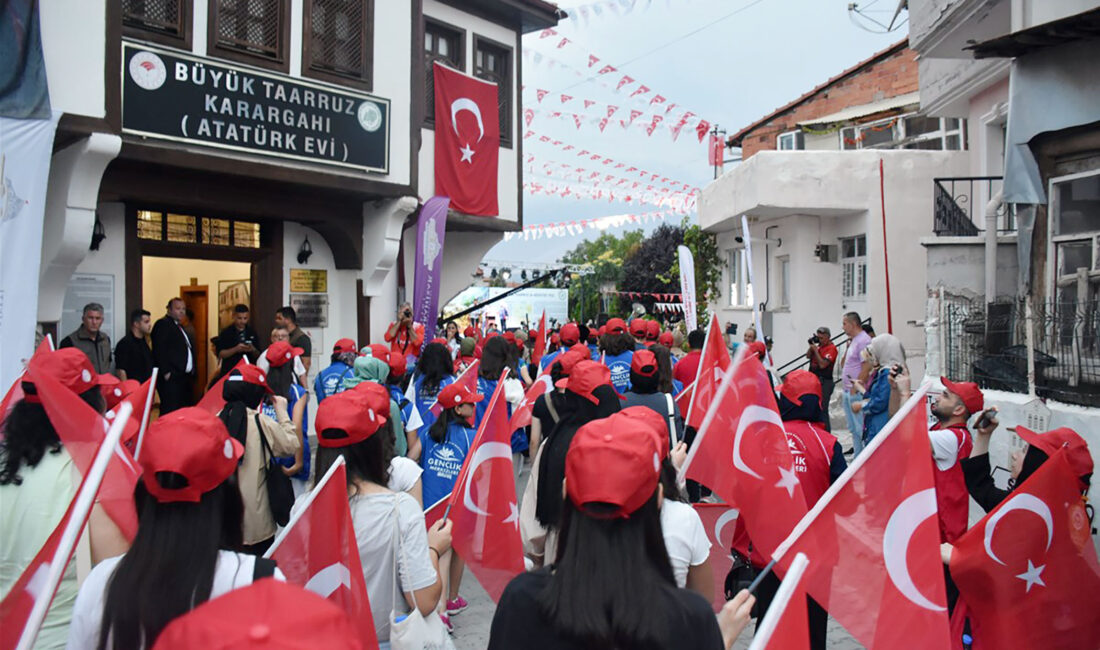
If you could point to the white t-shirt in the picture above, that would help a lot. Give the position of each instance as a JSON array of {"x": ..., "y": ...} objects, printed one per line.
[
  {"x": 373, "y": 517},
  {"x": 233, "y": 570},
  {"x": 685, "y": 538},
  {"x": 404, "y": 473}
]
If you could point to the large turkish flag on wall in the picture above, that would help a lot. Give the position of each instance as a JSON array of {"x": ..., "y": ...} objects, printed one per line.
[{"x": 467, "y": 141}]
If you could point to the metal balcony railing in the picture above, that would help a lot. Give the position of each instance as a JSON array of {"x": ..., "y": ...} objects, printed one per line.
[{"x": 959, "y": 206}]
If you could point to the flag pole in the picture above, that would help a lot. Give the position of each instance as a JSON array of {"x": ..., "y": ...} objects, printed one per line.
[
  {"x": 499, "y": 392},
  {"x": 779, "y": 604},
  {"x": 145, "y": 413},
  {"x": 85, "y": 498},
  {"x": 857, "y": 463},
  {"x": 727, "y": 379},
  {"x": 339, "y": 462}
]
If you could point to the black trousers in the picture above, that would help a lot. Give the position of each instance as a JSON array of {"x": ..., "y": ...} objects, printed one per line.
[
  {"x": 816, "y": 616},
  {"x": 827, "y": 386},
  {"x": 175, "y": 392}
]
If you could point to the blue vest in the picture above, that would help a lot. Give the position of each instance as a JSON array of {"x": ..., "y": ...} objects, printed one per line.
[
  {"x": 331, "y": 380},
  {"x": 442, "y": 461},
  {"x": 619, "y": 365},
  {"x": 296, "y": 393}
]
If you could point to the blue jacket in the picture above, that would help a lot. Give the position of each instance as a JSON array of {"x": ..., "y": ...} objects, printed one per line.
[
  {"x": 876, "y": 410},
  {"x": 442, "y": 461},
  {"x": 486, "y": 387},
  {"x": 331, "y": 380},
  {"x": 619, "y": 365}
]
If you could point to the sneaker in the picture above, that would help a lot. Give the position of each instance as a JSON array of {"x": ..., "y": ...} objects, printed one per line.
[
  {"x": 447, "y": 623},
  {"x": 456, "y": 606}
]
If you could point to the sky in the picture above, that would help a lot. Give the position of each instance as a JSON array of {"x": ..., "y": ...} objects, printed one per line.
[{"x": 729, "y": 61}]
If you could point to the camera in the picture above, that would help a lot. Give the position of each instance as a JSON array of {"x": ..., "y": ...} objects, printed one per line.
[
  {"x": 812, "y": 340},
  {"x": 407, "y": 313}
]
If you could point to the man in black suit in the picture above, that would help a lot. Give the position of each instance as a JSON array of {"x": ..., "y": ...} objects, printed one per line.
[{"x": 174, "y": 355}]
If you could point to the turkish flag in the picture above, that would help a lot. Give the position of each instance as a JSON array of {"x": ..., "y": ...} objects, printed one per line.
[
  {"x": 1028, "y": 570},
  {"x": 786, "y": 626},
  {"x": 483, "y": 505},
  {"x": 683, "y": 400},
  {"x": 137, "y": 401},
  {"x": 713, "y": 363},
  {"x": 81, "y": 430},
  {"x": 873, "y": 541},
  {"x": 467, "y": 141},
  {"x": 467, "y": 377},
  {"x": 213, "y": 401},
  {"x": 521, "y": 416},
  {"x": 15, "y": 391},
  {"x": 319, "y": 552},
  {"x": 540, "y": 341},
  {"x": 718, "y": 521},
  {"x": 741, "y": 453}
]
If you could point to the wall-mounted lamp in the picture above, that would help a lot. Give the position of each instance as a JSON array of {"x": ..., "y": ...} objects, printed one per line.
[
  {"x": 98, "y": 234},
  {"x": 304, "y": 251}
]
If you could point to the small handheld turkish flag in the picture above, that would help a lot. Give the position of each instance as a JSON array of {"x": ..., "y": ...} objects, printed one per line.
[
  {"x": 873, "y": 541},
  {"x": 467, "y": 377},
  {"x": 714, "y": 362},
  {"x": 1028, "y": 570},
  {"x": 467, "y": 141},
  {"x": 483, "y": 505},
  {"x": 719, "y": 520},
  {"x": 318, "y": 551},
  {"x": 521, "y": 416},
  {"x": 213, "y": 401},
  {"x": 786, "y": 625}
]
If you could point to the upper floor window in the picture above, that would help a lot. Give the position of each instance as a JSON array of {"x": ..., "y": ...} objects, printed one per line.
[
  {"x": 338, "y": 40},
  {"x": 493, "y": 62},
  {"x": 446, "y": 44},
  {"x": 187, "y": 229},
  {"x": 164, "y": 21},
  {"x": 911, "y": 131},
  {"x": 251, "y": 31}
]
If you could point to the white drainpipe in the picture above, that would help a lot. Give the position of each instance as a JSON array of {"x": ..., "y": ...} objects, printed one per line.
[{"x": 991, "y": 209}]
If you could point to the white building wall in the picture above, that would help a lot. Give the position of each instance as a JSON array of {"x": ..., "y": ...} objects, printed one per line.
[
  {"x": 110, "y": 259},
  {"x": 74, "y": 35}
]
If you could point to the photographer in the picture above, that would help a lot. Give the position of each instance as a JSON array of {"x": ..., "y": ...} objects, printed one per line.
[
  {"x": 404, "y": 336},
  {"x": 823, "y": 355}
]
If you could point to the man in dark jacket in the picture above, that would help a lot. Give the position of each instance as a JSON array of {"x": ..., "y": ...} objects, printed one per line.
[
  {"x": 88, "y": 338},
  {"x": 174, "y": 354}
]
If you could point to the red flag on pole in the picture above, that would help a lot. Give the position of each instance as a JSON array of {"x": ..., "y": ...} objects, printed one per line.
[
  {"x": 719, "y": 521},
  {"x": 873, "y": 541},
  {"x": 213, "y": 401},
  {"x": 786, "y": 625},
  {"x": 467, "y": 141},
  {"x": 714, "y": 362},
  {"x": 521, "y": 415},
  {"x": 467, "y": 377},
  {"x": 1028, "y": 570},
  {"x": 81, "y": 431},
  {"x": 483, "y": 506},
  {"x": 317, "y": 550},
  {"x": 540, "y": 341},
  {"x": 741, "y": 453},
  {"x": 138, "y": 401}
]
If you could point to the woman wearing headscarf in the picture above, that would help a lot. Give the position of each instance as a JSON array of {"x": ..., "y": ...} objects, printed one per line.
[
  {"x": 374, "y": 369},
  {"x": 886, "y": 354},
  {"x": 244, "y": 391}
]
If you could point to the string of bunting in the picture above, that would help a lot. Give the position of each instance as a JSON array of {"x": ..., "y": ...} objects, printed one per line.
[
  {"x": 595, "y": 157},
  {"x": 567, "y": 171},
  {"x": 651, "y": 192},
  {"x": 680, "y": 204},
  {"x": 578, "y": 227},
  {"x": 649, "y": 123},
  {"x": 635, "y": 295},
  {"x": 668, "y": 307}
]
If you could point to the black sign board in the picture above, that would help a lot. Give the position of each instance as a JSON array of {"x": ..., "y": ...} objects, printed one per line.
[{"x": 180, "y": 97}]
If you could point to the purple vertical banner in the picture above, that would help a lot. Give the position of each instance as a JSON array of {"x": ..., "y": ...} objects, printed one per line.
[{"x": 431, "y": 228}]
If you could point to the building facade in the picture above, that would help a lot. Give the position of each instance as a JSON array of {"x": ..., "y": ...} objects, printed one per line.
[{"x": 274, "y": 150}]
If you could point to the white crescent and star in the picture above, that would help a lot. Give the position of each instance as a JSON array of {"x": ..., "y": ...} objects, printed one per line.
[
  {"x": 329, "y": 579},
  {"x": 467, "y": 104},
  {"x": 1030, "y": 503},
  {"x": 895, "y": 544},
  {"x": 484, "y": 453},
  {"x": 727, "y": 517}
]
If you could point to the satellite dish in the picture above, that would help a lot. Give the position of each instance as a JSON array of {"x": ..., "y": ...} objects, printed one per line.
[{"x": 638, "y": 309}]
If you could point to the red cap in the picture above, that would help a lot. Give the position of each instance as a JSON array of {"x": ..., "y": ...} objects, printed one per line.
[
  {"x": 644, "y": 363},
  {"x": 581, "y": 348},
  {"x": 470, "y": 332},
  {"x": 652, "y": 330},
  {"x": 570, "y": 333},
  {"x": 1077, "y": 450},
  {"x": 638, "y": 328},
  {"x": 799, "y": 383},
  {"x": 969, "y": 392},
  {"x": 613, "y": 461},
  {"x": 281, "y": 352},
  {"x": 759, "y": 349},
  {"x": 656, "y": 422},
  {"x": 665, "y": 339},
  {"x": 399, "y": 365},
  {"x": 344, "y": 345},
  {"x": 439, "y": 341},
  {"x": 380, "y": 351},
  {"x": 555, "y": 338},
  {"x": 249, "y": 374},
  {"x": 69, "y": 366},
  {"x": 510, "y": 336},
  {"x": 585, "y": 377},
  {"x": 116, "y": 392},
  {"x": 359, "y": 413},
  {"x": 615, "y": 326},
  {"x": 266, "y": 614},
  {"x": 192, "y": 442},
  {"x": 602, "y": 330},
  {"x": 567, "y": 360},
  {"x": 458, "y": 393}
]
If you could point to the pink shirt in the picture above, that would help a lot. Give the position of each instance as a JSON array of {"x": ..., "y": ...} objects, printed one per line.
[{"x": 853, "y": 363}]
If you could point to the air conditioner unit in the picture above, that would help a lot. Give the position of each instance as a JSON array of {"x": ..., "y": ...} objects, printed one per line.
[{"x": 825, "y": 253}]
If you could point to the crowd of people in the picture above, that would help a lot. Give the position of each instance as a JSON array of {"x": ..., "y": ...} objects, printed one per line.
[{"x": 617, "y": 556}]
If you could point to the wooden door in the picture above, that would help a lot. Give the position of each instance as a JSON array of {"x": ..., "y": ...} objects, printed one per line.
[{"x": 196, "y": 297}]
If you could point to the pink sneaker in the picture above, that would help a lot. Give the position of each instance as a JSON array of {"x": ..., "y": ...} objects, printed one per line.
[
  {"x": 447, "y": 623},
  {"x": 456, "y": 606}
]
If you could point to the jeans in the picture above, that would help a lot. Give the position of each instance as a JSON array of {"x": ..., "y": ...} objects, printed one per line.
[{"x": 855, "y": 420}]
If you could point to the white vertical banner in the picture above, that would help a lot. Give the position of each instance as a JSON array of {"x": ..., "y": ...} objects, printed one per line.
[
  {"x": 687, "y": 287},
  {"x": 752, "y": 282},
  {"x": 25, "y": 150}
]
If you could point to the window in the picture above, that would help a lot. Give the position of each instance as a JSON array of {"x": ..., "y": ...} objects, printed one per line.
[
  {"x": 1075, "y": 234},
  {"x": 740, "y": 291},
  {"x": 790, "y": 140},
  {"x": 911, "y": 131},
  {"x": 251, "y": 31},
  {"x": 853, "y": 261},
  {"x": 445, "y": 44},
  {"x": 783, "y": 265},
  {"x": 493, "y": 62},
  {"x": 186, "y": 229},
  {"x": 164, "y": 21},
  {"x": 338, "y": 40}
]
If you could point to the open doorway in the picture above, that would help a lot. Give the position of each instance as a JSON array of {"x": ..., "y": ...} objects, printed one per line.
[{"x": 210, "y": 289}]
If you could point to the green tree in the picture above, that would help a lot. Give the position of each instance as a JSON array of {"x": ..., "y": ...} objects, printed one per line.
[
  {"x": 708, "y": 266},
  {"x": 606, "y": 256},
  {"x": 646, "y": 269}
]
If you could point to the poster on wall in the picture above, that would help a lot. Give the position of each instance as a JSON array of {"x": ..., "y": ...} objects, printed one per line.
[
  {"x": 230, "y": 294},
  {"x": 86, "y": 288}
]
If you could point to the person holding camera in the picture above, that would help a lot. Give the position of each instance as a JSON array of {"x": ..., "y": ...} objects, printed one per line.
[
  {"x": 823, "y": 355},
  {"x": 404, "y": 336}
]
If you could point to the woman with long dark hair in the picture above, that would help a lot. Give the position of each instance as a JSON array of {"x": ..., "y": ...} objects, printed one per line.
[
  {"x": 645, "y": 390},
  {"x": 450, "y": 334},
  {"x": 666, "y": 383},
  {"x": 244, "y": 391},
  {"x": 281, "y": 381},
  {"x": 38, "y": 481},
  {"x": 347, "y": 425},
  {"x": 434, "y": 371},
  {"x": 185, "y": 551},
  {"x": 611, "y": 585},
  {"x": 497, "y": 355}
]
